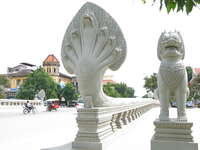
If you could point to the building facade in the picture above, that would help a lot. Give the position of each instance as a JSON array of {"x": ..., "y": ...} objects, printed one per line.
[
  {"x": 51, "y": 66},
  {"x": 18, "y": 74}
]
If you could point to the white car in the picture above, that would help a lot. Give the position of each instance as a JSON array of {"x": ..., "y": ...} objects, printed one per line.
[{"x": 80, "y": 104}]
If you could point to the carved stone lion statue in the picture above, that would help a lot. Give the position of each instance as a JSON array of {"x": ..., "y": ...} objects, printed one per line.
[{"x": 172, "y": 76}]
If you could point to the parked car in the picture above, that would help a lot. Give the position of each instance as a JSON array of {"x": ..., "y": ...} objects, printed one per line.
[
  {"x": 198, "y": 105},
  {"x": 189, "y": 104},
  {"x": 173, "y": 104},
  {"x": 80, "y": 104},
  {"x": 72, "y": 104}
]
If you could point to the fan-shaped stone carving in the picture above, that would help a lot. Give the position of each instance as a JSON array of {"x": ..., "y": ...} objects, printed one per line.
[{"x": 92, "y": 43}]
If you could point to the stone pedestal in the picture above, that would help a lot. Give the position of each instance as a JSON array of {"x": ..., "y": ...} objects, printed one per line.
[
  {"x": 173, "y": 135},
  {"x": 94, "y": 128}
]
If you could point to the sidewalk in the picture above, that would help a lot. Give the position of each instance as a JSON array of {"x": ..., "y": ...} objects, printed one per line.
[{"x": 53, "y": 129}]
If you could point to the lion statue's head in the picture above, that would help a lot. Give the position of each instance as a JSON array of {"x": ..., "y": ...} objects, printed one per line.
[{"x": 170, "y": 45}]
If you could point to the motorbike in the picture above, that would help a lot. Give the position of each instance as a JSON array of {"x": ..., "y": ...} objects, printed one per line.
[{"x": 27, "y": 110}]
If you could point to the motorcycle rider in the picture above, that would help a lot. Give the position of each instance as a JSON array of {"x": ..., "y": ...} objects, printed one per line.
[{"x": 29, "y": 105}]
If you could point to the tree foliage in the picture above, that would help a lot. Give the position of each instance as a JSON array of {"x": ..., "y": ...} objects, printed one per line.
[
  {"x": 4, "y": 82},
  {"x": 118, "y": 90},
  {"x": 2, "y": 95},
  {"x": 151, "y": 83},
  {"x": 189, "y": 72},
  {"x": 195, "y": 88},
  {"x": 36, "y": 81},
  {"x": 69, "y": 92},
  {"x": 178, "y": 5},
  {"x": 109, "y": 89}
]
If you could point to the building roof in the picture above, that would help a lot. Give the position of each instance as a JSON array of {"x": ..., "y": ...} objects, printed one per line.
[
  {"x": 20, "y": 67},
  {"x": 51, "y": 59},
  {"x": 27, "y": 64},
  {"x": 22, "y": 73},
  {"x": 64, "y": 75},
  {"x": 108, "y": 81}
]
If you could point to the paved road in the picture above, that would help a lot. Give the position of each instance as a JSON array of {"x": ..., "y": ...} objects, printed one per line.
[
  {"x": 138, "y": 135},
  {"x": 36, "y": 131},
  {"x": 50, "y": 129}
]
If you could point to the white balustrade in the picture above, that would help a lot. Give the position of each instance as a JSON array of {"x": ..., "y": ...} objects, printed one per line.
[
  {"x": 97, "y": 124},
  {"x": 16, "y": 102}
]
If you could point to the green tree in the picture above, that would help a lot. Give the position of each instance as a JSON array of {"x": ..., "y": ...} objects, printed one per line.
[
  {"x": 4, "y": 82},
  {"x": 59, "y": 91},
  {"x": 189, "y": 72},
  {"x": 124, "y": 90},
  {"x": 151, "y": 83},
  {"x": 2, "y": 93},
  {"x": 36, "y": 81},
  {"x": 178, "y": 5},
  {"x": 109, "y": 89},
  {"x": 118, "y": 90},
  {"x": 69, "y": 92},
  {"x": 194, "y": 87}
]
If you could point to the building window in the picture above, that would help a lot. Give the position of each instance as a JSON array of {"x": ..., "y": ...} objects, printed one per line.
[
  {"x": 18, "y": 82},
  {"x": 49, "y": 70},
  {"x": 54, "y": 69}
]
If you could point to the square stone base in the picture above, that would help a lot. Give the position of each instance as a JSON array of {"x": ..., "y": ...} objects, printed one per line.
[
  {"x": 173, "y": 135},
  {"x": 87, "y": 145},
  {"x": 173, "y": 145}
]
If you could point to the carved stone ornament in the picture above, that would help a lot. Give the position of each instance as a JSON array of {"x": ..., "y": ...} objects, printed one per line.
[
  {"x": 172, "y": 77},
  {"x": 92, "y": 43}
]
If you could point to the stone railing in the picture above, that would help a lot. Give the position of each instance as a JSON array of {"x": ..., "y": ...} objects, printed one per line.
[
  {"x": 98, "y": 123},
  {"x": 12, "y": 102}
]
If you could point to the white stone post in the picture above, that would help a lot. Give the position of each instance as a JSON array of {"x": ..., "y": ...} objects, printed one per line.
[
  {"x": 94, "y": 128},
  {"x": 113, "y": 122}
]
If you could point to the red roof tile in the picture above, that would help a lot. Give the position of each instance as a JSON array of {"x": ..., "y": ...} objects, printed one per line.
[
  {"x": 108, "y": 81},
  {"x": 51, "y": 58}
]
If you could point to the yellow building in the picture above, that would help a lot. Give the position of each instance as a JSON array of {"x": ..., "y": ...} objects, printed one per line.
[
  {"x": 51, "y": 66},
  {"x": 18, "y": 74}
]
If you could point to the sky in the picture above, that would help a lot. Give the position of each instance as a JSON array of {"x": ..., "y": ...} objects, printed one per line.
[{"x": 30, "y": 30}]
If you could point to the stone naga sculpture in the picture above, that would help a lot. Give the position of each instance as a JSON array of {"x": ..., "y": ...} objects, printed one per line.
[
  {"x": 172, "y": 76},
  {"x": 92, "y": 43},
  {"x": 40, "y": 95}
]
